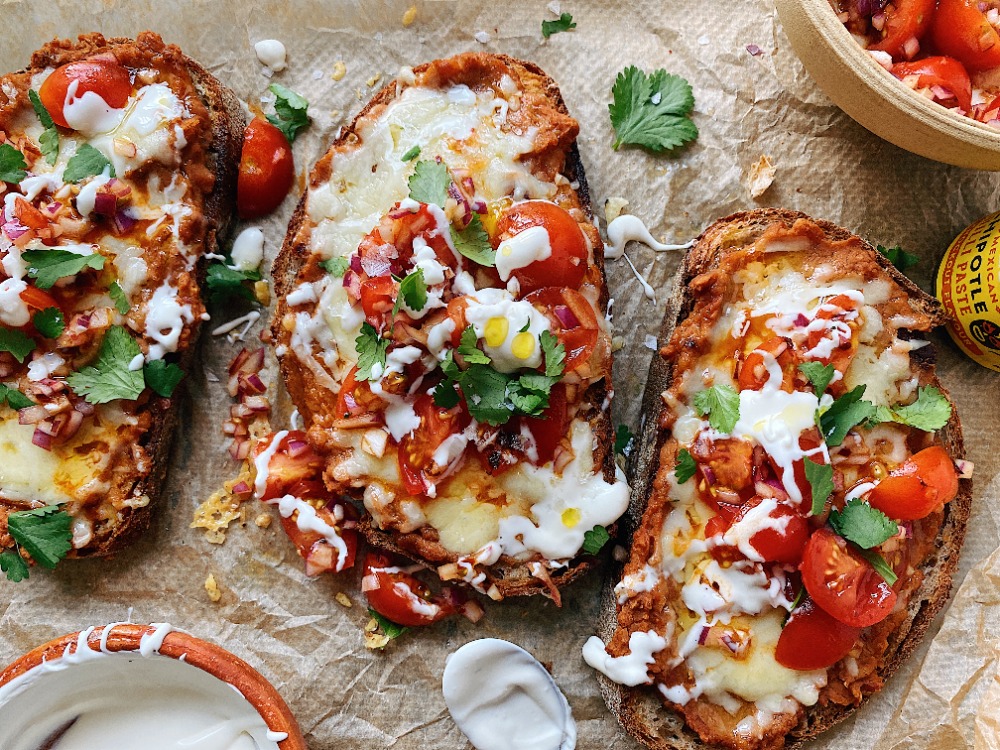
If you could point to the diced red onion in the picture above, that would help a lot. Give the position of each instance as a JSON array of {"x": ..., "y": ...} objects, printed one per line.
[
  {"x": 878, "y": 21},
  {"x": 296, "y": 448},
  {"x": 801, "y": 320},
  {"x": 352, "y": 283},
  {"x": 124, "y": 221},
  {"x": 253, "y": 384},
  {"x": 703, "y": 635},
  {"x": 42, "y": 440},
  {"x": 105, "y": 204},
  {"x": 53, "y": 208},
  {"x": 32, "y": 415},
  {"x": 941, "y": 93},
  {"x": 239, "y": 450},
  {"x": 320, "y": 559},
  {"x": 241, "y": 488},
  {"x": 473, "y": 611},
  {"x": 118, "y": 188},
  {"x": 709, "y": 475},
  {"x": 566, "y": 317},
  {"x": 754, "y": 50},
  {"x": 356, "y": 263},
  {"x": 376, "y": 266},
  {"x": 13, "y": 229},
  {"x": 964, "y": 468},
  {"x": 257, "y": 403},
  {"x": 85, "y": 408},
  {"x": 911, "y": 47},
  {"x": 370, "y": 583}
]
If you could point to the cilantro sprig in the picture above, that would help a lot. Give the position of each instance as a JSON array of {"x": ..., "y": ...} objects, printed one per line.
[
  {"x": 722, "y": 405},
  {"x": 87, "y": 162},
  {"x": 623, "y": 440},
  {"x": 44, "y": 533},
  {"x": 594, "y": 540},
  {"x": 412, "y": 291},
  {"x": 47, "y": 266},
  {"x": 110, "y": 378},
  {"x": 371, "y": 353},
  {"x": 931, "y": 411},
  {"x": 49, "y": 139},
  {"x": 820, "y": 478},
  {"x": 860, "y": 523},
  {"x": 49, "y": 322},
  {"x": 13, "y": 168},
  {"x": 474, "y": 243},
  {"x": 685, "y": 467},
  {"x": 844, "y": 414},
  {"x": 162, "y": 378},
  {"x": 118, "y": 296},
  {"x": 565, "y": 22},
  {"x": 429, "y": 182},
  {"x": 652, "y": 110},
  {"x": 901, "y": 259},
  {"x": 291, "y": 111},
  {"x": 387, "y": 626},
  {"x": 225, "y": 282},
  {"x": 819, "y": 375},
  {"x": 14, "y": 398},
  {"x": 16, "y": 342},
  {"x": 336, "y": 267}
]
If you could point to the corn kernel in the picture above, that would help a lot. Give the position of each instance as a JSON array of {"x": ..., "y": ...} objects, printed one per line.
[
  {"x": 495, "y": 331},
  {"x": 410, "y": 16},
  {"x": 571, "y": 517},
  {"x": 339, "y": 71},
  {"x": 523, "y": 345}
]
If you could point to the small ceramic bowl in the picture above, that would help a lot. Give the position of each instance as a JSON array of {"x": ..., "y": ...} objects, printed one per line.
[
  {"x": 140, "y": 685},
  {"x": 876, "y": 100}
]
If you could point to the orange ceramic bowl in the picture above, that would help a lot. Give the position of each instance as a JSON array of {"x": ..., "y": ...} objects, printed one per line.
[
  {"x": 57, "y": 658},
  {"x": 875, "y": 99}
]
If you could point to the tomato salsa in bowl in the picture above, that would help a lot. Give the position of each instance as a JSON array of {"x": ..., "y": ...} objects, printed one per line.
[{"x": 922, "y": 74}]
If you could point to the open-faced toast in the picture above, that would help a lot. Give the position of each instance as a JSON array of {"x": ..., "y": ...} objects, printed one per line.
[
  {"x": 450, "y": 222},
  {"x": 743, "y": 606},
  {"x": 120, "y": 160}
]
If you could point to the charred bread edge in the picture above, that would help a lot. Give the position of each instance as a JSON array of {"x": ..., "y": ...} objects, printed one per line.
[
  {"x": 510, "y": 580},
  {"x": 227, "y": 124},
  {"x": 640, "y": 710}
]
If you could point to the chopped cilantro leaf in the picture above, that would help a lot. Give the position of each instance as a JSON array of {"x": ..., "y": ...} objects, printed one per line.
[
  {"x": 336, "y": 267},
  {"x": 652, "y": 111},
  {"x": 881, "y": 566},
  {"x": 862, "y": 524},
  {"x": 46, "y": 267},
  {"x": 623, "y": 440},
  {"x": 412, "y": 292},
  {"x": 12, "y": 165},
  {"x": 899, "y": 257},
  {"x": 13, "y": 565},
  {"x": 931, "y": 411},
  {"x": 86, "y": 162},
  {"x": 224, "y": 282},
  {"x": 429, "y": 182},
  {"x": 471, "y": 353},
  {"x": 722, "y": 405},
  {"x": 485, "y": 392},
  {"x": 594, "y": 540},
  {"x": 110, "y": 378},
  {"x": 845, "y": 413},
  {"x": 291, "y": 111},
  {"x": 14, "y": 398},
  {"x": 371, "y": 353},
  {"x": 412, "y": 154},
  {"x": 819, "y": 375},
  {"x": 162, "y": 378},
  {"x": 820, "y": 478},
  {"x": 555, "y": 354},
  {"x": 563, "y": 23},
  {"x": 445, "y": 394},
  {"x": 49, "y": 139},
  {"x": 474, "y": 243},
  {"x": 118, "y": 296},
  {"x": 16, "y": 342},
  {"x": 49, "y": 322},
  {"x": 685, "y": 467},
  {"x": 43, "y": 532},
  {"x": 391, "y": 629}
]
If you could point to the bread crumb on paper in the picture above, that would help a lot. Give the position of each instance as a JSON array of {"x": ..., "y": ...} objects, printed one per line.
[
  {"x": 212, "y": 588},
  {"x": 339, "y": 70},
  {"x": 761, "y": 176},
  {"x": 343, "y": 600},
  {"x": 373, "y": 80},
  {"x": 215, "y": 514},
  {"x": 410, "y": 15},
  {"x": 373, "y": 638},
  {"x": 483, "y": 37},
  {"x": 263, "y": 521},
  {"x": 614, "y": 207}
]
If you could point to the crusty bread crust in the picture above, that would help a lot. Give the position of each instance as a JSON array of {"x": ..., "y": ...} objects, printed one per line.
[
  {"x": 640, "y": 710},
  {"x": 227, "y": 124},
  {"x": 511, "y": 579}
]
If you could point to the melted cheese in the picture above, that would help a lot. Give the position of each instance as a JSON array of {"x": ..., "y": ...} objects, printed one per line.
[{"x": 146, "y": 125}]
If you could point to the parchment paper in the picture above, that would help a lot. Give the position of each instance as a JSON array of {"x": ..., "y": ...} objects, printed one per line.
[{"x": 290, "y": 627}]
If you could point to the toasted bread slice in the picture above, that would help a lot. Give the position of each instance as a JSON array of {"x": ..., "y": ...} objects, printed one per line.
[
  {"x": 712, "y": 276},
  {"x": 155, "y": 199},
  {"x": 502, "y": 130}
]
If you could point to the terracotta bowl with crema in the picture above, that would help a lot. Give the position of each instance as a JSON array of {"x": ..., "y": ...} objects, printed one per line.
[
  {"x": 875, "y": 99},
  {"x": 198, "y": 654}
]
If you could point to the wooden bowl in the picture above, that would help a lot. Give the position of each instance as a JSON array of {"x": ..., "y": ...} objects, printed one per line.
[
  {"x": 869, "y": 94},
  {"x": 215, "y": 660}
]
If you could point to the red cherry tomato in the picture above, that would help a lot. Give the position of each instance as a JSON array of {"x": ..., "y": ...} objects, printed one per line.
[
  {"x": 567, "y": 265},
  {"x": 549, "y": 428},
  {"x": 378, "y": 297},
  {"x": 356, "y": 398},
  {"x": 774, "y": 545},
  {"x": 811, "y": 639},
  {"x": 939, "y": 71},
  {"x": 920, "y": 486},
  {"x": 39, "y": 300},
  {"x": 396, "y": 233},
  {"x": 399, "y": 596},
  {"x": 456, "y": 313},
  {"x": 904, "y": 20},
  {"x": 843, "y": 583},
  {"x": 753, "y": 371},
  {"x": 320, "y": 556},
  {"x": 962, "y": 31},
  {"x": 266, "y": 170},
  {"x": 416, "y": 450},
  {"x": 28, "y": 215},
  {"x": 573, "y": 320},
  {"x": 295, "y": 468},
  {"x": 105, "y": 76}
]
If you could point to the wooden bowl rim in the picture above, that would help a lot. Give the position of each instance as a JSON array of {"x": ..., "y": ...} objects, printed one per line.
[{"x": 210, "y": 658}]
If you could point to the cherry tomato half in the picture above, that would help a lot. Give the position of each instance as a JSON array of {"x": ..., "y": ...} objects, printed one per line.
[
  {"x": 904, "y": 20},
  {"x": 945, "y": 72},
  {"x": 925, "y": 482},
  {"x": 295, "y": 468},
  {"x": 811, "y": 639},
  {"x": 266, "y": 170},
  {"x": 38, "y": 299},
  {"x": 782, "y": 543},
  {"x": 573, "y": 320},
  {"x": 416, "y": 449},
  {"x": 399, "y": 596},
  {"x": 962, "y": 31},
  {"x": 356, "y": 398},
  {"x": 567, "y": 265},
  {"x": 843, "y": 583},
  {"x": 105, "y": 76},
  {"x": 549, "y": 428},
  {"x": 753, "y": 370},
  {"x": 320, "y": 556},
  {"x": 378, "y": 297}
]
